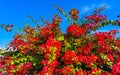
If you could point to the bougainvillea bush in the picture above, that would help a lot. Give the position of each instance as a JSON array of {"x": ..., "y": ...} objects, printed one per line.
[{"x": 45, "y": 50}]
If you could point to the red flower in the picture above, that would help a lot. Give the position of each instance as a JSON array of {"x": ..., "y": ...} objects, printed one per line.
[
  {"x": 85, "y": 50},
  {"x": 67, "y": 70},
  {"x": 80, "y": 72},
  {"x": 28, "y": 65},
  {"x": 58, "y": 71},
  {"x": 44, "y": 62},
  {"x": 44, "y": 33},
  {"x": 92, "y": 58},
  {"x": 82, "y": 58},
  {"x": 56, "y": 20},
  {"x": 35, "y": 72},
  {"x": 69, "y": 57},
  {"x": 53, "y": 45},
  {"x": 118, "y": 60},
  {"x": 96, "y": 70},
  {"x": 75, "y": 30},
  {"x": 110, "y": 57},
  {"x": 54, "y": 63},
  {"x": 96, "y": 18},
  {"x": 116, "y": 68},
  {"x": 88, "y": 17},
  {"x": 74, "y": 13},
  {"x": 47, "y": 71},
  {"x": 42, "y": 48}
]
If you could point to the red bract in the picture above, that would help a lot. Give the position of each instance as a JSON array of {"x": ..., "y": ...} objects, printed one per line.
[
  {"x": 15, "y": 43},
  {"x": 33, "y": 39},
  {"x": 42, "y": 48},
  {"x": 44, "y": 62},
  {"x": 47, "y": 71},
  {"x": 67, "y": 70},
  {"x": 88, "y": 17},
  {"x": 110, "y": 57},
  {"x": 58, "y": 71},
  {"x": 8, "y": 27},
  {"x": 45, "y": 33},
  {"x": 85, "y": 50},
  {"x": 113, "y": 33},
  {"x": 96, "y": 71},
  {"x": 82, "y": 58},
  {"x": 102, "y": 36},
  {"x": 24, "y": 68},
  {"x": 1, "y": 62},
  {"x": 80, "y": 72},
  {"x": 96, "y": 18},
  {"x": 53, "y": 46},
  {"x": 74, "y": 13},
  {"x": 118, "y": 60},
  {"x": 91, "y": 59},
  {"x": 116, "y": 69},
  {"x": 75, "y": 30},
  {"x": 56, "y": 20},
  {"x": 69, "y": 57},
  {"x": 54, "y": 63}
]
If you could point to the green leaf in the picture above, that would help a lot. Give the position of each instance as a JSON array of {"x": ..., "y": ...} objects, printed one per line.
[
  {"x": 0, "y": 51},
  {"x": 22, "y": 59},
  {"x": 34, "y": 64},
  {"x": 61, "y": 38},
  {"x": 17, "y": 61}
]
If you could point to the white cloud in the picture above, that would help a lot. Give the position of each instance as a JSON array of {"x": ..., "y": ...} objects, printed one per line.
[
  {"x": 0, "y": 47},
  {"x": 87, "y": 8},
  {"x": 103, "y": 4}
]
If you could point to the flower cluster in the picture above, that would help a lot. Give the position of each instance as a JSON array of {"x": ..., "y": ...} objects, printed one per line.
[
  {"x": 69, "y": 57},
  {"x": 74, "y": 13},
  {"x": 96, "y": 17},
  {"x": 8, "y": 27},
  {"x": 75, "y": 30}
]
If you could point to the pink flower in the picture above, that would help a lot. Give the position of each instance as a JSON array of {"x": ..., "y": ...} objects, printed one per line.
[{"x": 116, "y": 68}]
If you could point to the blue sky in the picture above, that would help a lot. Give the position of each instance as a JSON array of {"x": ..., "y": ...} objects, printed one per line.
[{"x": 15, "y": 11}]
